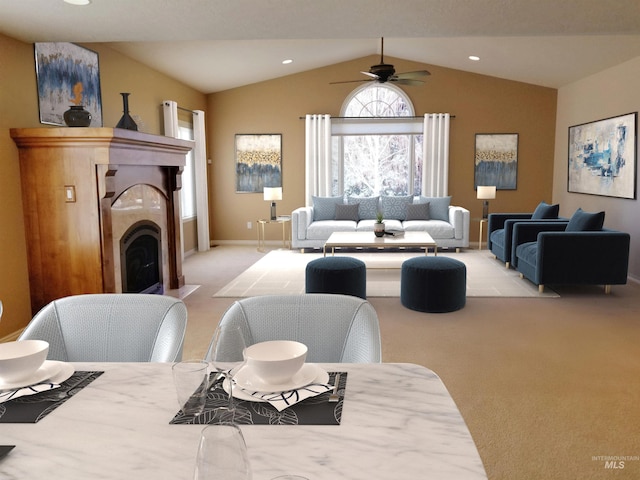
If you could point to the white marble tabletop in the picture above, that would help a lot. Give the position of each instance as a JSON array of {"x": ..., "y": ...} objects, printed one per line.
[{"x": 398, "y": 421}]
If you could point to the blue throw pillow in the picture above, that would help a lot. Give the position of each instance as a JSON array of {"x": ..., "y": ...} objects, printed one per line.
[
  {"x": 368, "y": 206},
  {"x": 347, "y": 212},
  {"x": 394, "y": 208},
  {"x": 545, "y": 211},
  {"x": 438, "y": 207},
  {"x": 324, "y": 208},
  {"x": 417, "y": 211},
  {"x": 582, "y": 221}
]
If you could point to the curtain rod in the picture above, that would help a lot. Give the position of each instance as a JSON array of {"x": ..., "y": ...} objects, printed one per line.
[
  {"x": 361, "y": 118},
  {"x": 183, "y": 109}
]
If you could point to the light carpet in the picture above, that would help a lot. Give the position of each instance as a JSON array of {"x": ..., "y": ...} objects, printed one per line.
[{"x": 282, "y": 272}]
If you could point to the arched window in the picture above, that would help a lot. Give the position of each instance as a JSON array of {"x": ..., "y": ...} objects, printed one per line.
[{"x": 377, "y": 145}]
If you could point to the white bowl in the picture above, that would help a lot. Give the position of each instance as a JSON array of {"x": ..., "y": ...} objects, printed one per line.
[
  {"x": 275, "y": 362},
  {"x": 19, "y": 360}
]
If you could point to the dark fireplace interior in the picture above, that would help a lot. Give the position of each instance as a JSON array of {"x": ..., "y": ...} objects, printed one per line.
[{"x": 141, "y": 259}]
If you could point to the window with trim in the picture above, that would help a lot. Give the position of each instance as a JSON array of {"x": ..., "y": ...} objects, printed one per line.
[
  {"x": 377, "y": 145},
  {"x": 188, "y": 190}
]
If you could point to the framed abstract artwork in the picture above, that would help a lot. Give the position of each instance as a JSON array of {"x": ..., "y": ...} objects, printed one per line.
[
  {"x": 496, "y": 160},
  {"x": 258, "y": 162},
  {"x": 67, "y": 75},
  {"x": 602, "y": 157}
]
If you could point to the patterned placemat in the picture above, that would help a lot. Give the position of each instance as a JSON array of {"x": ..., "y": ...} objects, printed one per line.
[
  {"x": 33, "y": 408},
  {"x": 311, "y": 411}
]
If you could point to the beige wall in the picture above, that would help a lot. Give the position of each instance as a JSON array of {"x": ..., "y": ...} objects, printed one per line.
[
  {"x": 607, "y": 94},
  {"x": 19, "y": 107},
  {"x": 480, "y": 104}
]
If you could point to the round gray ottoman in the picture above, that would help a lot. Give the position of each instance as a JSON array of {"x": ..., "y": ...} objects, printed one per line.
[
  {"x": 342, "y": 275},
  {"x": 433, "y": 284}
]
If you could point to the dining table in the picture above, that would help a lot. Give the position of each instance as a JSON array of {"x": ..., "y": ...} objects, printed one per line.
[{"x": 397, "y": 421}]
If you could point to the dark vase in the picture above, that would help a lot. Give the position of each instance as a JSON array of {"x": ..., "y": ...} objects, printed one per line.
[
  {"x": 77, "y": 116},
  {"x": 126, "y": 121}
]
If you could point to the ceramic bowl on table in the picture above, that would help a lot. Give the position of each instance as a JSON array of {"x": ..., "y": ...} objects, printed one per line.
[
  {"x": 276, "y": 361},
  {"x": 19, "y": 360}
]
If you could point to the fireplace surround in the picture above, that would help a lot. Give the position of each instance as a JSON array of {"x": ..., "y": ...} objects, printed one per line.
[{"x": 86, "y": 189}]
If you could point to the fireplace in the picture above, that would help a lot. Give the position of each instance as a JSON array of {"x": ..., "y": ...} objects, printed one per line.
[
  {"x": 102, "y": 210},
  {"x": 141, "y": 259}
]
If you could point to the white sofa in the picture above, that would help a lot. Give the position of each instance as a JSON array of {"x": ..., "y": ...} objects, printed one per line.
[{"x": 450, "y": 229}]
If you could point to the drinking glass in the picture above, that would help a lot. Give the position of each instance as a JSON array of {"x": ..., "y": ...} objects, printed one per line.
[
  {"x": 222, "y": 454},
  {"x": 227, "y": 357},
  {"x": 191, "y": 379}
]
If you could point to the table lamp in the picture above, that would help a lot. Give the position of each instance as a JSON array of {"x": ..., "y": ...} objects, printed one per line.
[
  {"x": 486, "y": 193},
  {"x": 271, "y": 194}
]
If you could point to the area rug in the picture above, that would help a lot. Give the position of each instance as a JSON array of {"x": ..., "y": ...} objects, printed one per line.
[{"x": 281, "y": 272}]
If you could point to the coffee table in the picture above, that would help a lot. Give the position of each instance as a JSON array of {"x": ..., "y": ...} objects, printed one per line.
[{"x": 369, "y": 240}]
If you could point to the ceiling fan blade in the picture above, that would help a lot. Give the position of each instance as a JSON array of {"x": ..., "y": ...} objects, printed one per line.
[
  {"x": 354, "y": 81},
  {"x": 406, "y": 81},
  {"x": 413, "y": 75},
  {"x": 372, "y": 75}
]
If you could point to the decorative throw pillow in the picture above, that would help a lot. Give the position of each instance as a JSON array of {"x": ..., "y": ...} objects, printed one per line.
[
  {"x": 347, "y": 212},
  {"x": 582, "y": 221},
  {"x": 438, "y": 207},
  {"x": 417, "y": 211},
  {"x": 324, "y": 208},
  {"x": 368, "y": 206},
  {"x": 545, "y": 211},
  {"x": 394, "y": 208}
]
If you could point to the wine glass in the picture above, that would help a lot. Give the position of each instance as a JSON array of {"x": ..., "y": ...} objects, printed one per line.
[
  {"x": 222, "y": 453},
  {"x": 227, "y": 357}
]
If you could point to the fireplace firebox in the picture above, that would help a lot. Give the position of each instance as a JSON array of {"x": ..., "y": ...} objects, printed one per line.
[{"x": 141, "y": 259}]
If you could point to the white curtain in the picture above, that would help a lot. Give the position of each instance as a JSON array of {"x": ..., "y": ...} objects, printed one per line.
[
  {"x": 170, "y": 110},
  {"x": 435, "y": 157},
  {"x": 200, "y": 173},
  {"x": 317, "y": 156}
]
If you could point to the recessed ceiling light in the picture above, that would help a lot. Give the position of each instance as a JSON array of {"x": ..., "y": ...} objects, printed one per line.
[
  {"x": 475, "y": 58},
  {"x": 287, "y": 61},
  {"x": 78, "y": 2}
]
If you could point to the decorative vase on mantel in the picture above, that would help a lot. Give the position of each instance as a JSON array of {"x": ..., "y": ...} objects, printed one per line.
[
  {"x": 77, "y": 116},
  {"x": 126, "y": 121}
]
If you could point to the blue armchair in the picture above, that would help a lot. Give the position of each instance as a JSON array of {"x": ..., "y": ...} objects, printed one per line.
[
  {"x": 500, "y": 228},
  {"x": 547, "y": 254}
]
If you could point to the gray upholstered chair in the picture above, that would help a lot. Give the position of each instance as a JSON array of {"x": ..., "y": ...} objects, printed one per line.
[
  {"x": 111, "y": 327},
  {"x": 335, "y": 328}
]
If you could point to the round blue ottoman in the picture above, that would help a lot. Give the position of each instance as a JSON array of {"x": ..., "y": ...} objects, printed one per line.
[
  {"x": 433, "y": 284},
  {"x": 342, "y": 275}
]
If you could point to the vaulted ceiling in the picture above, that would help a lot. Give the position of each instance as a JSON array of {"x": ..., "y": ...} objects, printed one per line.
[{"x": 214, "y": 45}]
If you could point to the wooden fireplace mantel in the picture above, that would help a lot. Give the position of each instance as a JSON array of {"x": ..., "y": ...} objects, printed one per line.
[{"x": 70, "y": 178}]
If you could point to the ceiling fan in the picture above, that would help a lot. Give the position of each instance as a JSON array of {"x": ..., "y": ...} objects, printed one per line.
[{"x": 384, "y": 72}]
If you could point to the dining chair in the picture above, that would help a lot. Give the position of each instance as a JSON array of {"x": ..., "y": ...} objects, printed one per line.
[
  {"x": 335, "y": 328},
  {"x": 111, "y": 327}
]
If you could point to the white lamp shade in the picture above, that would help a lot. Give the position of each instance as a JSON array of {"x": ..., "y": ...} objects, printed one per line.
[
  {"x": 486, "y": 193},
  {"x": 273, "y": 193}
]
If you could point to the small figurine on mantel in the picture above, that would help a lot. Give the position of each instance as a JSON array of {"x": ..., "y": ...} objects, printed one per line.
[{"x": 126, "y": 121}]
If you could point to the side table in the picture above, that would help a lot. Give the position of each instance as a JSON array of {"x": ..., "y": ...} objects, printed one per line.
[
  {"x": 483, "y": 222},
  {"x": 285, "y": 221}
]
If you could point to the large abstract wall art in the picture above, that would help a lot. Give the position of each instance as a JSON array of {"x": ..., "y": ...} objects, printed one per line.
[
  {"x": 258, "y": 162},
  {"x": 602, "y": 157},
  {"x": 67, "y": 75},
  {"x": 496, "y": 160}
]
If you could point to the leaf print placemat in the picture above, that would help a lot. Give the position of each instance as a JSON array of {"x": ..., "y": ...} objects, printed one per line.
[
  {"x": 311, "y": 411},
  {"x": 33, "y": 408}
]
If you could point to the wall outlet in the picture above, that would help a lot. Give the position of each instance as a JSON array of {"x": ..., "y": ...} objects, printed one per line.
[{"x": 249, "y": 225}]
